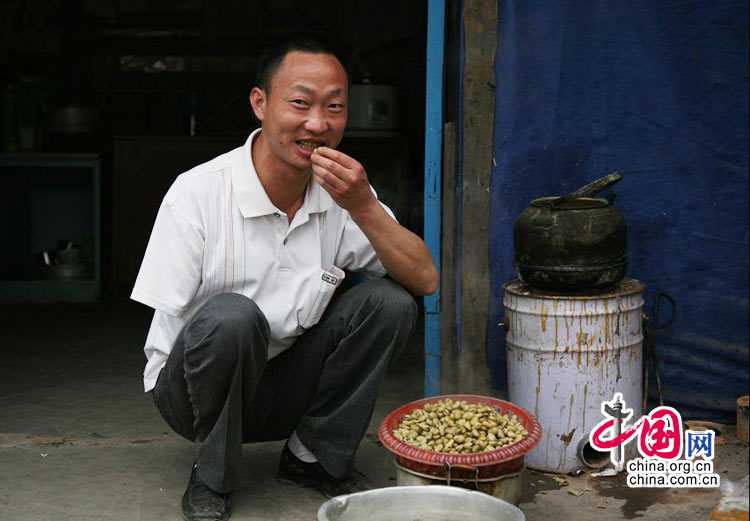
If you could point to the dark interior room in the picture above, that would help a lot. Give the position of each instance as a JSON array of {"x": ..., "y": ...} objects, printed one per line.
[{"x": 104, "y": 104}]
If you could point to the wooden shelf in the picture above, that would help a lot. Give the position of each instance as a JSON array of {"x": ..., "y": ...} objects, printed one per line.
[
  {"x": 134, "y": 82},
  {"x": 73, "y": 290}
]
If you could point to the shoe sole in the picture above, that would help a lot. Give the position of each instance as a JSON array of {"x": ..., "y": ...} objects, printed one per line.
[
  {"x": 186, "y": 517},
  {"x": 222, "y": 518}
]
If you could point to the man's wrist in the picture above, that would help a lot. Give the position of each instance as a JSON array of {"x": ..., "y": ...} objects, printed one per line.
[{"x": 364, "y": 214}]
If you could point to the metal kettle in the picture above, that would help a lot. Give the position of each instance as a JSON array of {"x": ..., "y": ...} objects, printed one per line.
[{"x": 573, "y": 243}]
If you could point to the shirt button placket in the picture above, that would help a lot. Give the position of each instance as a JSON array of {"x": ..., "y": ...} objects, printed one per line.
[{"x": 280, "y": 233}]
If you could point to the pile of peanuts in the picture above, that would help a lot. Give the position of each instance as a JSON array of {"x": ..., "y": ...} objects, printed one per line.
[{"x": 459, "y": 427}]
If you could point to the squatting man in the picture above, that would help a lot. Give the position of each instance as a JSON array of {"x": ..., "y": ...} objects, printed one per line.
[{"x": 246, "y": 343}]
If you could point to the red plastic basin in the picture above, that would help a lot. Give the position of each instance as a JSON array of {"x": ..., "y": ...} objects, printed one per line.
[{"x": 476, "y": 465}]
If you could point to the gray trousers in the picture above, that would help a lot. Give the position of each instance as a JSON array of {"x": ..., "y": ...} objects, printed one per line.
[{"x": 219, "y": 390}]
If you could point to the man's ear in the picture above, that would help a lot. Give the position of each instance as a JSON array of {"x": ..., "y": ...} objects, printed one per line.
[{"x": 258, "y": 102}]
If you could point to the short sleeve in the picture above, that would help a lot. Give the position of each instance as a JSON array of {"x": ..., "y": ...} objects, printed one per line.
[
  {"x": 171, "y": 270},
  {"x": 355, "y": 252},
  {"x": 159, "y": 343}
]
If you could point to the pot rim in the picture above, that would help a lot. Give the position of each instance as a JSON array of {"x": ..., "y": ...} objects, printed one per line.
[
  {"x": 627, "y": 286},
  {"x": 616, "y": 263},
  {"x": 579, "y": 203}
]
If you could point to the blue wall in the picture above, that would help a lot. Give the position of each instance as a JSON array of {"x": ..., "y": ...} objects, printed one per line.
[{"x": 658, "y": 91}]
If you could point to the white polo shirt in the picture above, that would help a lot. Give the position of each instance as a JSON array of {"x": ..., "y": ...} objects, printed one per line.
[{"x": 218, "y": 232}]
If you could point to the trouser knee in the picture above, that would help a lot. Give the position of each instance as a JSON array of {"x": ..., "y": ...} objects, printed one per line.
[
  {"x": 395, "y": 304},
  {"x": 232, "y": 325},
  {"x": 391, "y": 309}
]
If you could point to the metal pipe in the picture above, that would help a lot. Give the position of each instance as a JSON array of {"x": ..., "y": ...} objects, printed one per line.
[
  {"x": 590, "y": 457},
  {"x": 433, "y": 150}
]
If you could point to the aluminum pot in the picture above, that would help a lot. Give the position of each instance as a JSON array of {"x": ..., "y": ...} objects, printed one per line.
[
  {"x": 572, "y": 243},
  {"x": 425, "y": 503}
]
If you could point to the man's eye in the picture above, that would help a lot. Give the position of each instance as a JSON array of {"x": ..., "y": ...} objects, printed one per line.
[
  {"x": 299, "y": 102},
  {"x": 336, "y": 107}
]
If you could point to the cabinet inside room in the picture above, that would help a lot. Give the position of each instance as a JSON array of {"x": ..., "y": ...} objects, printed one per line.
[{"x": 50, "y": 227}]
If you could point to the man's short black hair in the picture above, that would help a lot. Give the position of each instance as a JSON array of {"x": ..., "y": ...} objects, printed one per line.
[{"x": 275, "y": 53}]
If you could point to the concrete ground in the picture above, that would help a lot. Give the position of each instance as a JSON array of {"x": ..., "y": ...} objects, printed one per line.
[{"x": 80, "y": 441}]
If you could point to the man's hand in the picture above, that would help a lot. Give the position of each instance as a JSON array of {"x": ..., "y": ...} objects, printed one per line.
[
  {"x": 403, "y": 254},
  {"x": 344, "y": 179}
]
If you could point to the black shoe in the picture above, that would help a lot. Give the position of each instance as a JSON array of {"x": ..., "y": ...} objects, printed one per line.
[
  {"x": 313, "y": 475},
  {"x": 200, "y": 503}
]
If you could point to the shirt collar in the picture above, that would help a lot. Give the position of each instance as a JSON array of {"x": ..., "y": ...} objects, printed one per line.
[
  {"x": 252, "y": 198},
  {"x": 316, "y": 199}
]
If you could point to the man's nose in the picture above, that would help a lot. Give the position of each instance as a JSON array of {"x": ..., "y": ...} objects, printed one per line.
[{"x": 316, "y": 121}]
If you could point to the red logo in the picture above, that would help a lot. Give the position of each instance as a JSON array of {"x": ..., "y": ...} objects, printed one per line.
[{"x": 659, "y": 432}]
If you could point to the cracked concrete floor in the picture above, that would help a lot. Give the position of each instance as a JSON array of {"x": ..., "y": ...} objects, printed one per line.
[{"x": 80, "y": 441}]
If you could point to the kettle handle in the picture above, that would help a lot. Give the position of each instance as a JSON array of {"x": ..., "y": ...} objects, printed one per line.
[{"x": 590, "y": 189}]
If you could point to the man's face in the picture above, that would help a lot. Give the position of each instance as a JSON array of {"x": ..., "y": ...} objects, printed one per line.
[{"x": 305, "y": 108}]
